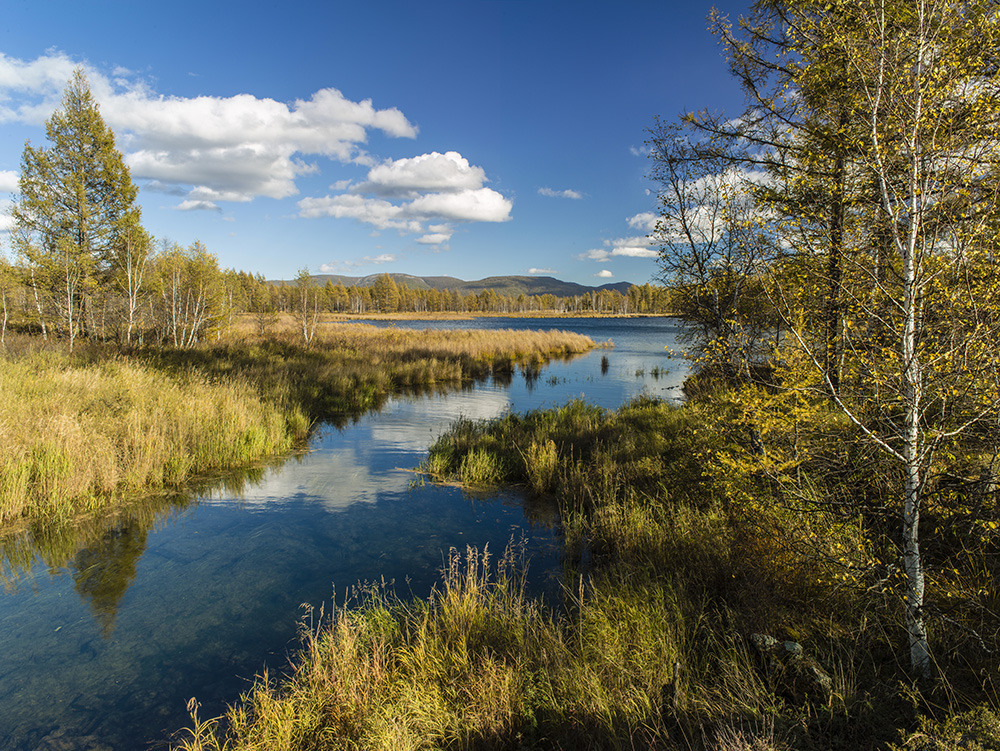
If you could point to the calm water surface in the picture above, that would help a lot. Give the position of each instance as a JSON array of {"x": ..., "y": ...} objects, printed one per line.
[{"x": 107, "y": 633}]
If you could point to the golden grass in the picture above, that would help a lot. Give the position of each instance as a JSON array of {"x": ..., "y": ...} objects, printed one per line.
[
  {"x": 86, "y": 430},
  {"x": 73, "y": 434}
]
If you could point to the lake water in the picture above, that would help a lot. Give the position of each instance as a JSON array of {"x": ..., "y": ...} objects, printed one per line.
[{"x": 108, "y": 632}]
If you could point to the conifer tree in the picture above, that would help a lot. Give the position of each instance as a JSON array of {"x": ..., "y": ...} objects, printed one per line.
[{"x": 76, "y": 204}]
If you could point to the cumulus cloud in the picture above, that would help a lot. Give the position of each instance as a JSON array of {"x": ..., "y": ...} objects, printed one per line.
[
  {"x": 643, "y": 221},
  {"x": 422, "y": 195},
  {"x": 197, "y": 206},
  {"x": 574, "y": 194},
  {"x": 632, "y": 247},
  {"x": 233, "y": 148},
  {"x": 8, "y": 182},
  {"x": 604, "y": 274},
  {"x": 434, "y": 172},
  {"x": 435, "y": 238},
  {"x": 483, "y": 205},
  {"x": 541, "y": 271}
]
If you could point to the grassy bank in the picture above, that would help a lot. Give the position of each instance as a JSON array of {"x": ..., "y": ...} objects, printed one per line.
[
  {"x": 673, "y": 581},
  {"x": 77, "y": 434},
  {"x": 86, "y": 430}
]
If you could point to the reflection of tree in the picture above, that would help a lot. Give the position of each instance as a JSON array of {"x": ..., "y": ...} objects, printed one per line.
[{"x": 103, "y": 571}]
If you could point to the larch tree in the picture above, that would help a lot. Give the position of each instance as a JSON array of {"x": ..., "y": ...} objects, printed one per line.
[
  {"x": 76, "y": 202},
  {"x": 710, "y": 253}
]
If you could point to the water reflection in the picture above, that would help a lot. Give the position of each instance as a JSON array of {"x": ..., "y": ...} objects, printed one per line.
[
  {"x": 113, "y": 622},
  {"x": 103, "y": 571},
  {"x": 101, "y": 551}
]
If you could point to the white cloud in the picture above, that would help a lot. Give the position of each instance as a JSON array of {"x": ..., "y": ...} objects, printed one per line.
[
  {"x": 644, "y": 221},
  {"x": 483, "y": 205},
  {"x": 632, "y": 247},
  {"x": 644, "y": 150},
  {"x": 541, "y": 271},
  {"x": 197, "y": 206},
  {"x": 375, "y": 211},
  {"x": 218, "y": 148},
  {"x": 419, "y": 195},
  {"x": 434, "y": 172},
  {"x": 574, "y": 194},
  {"x": 8, "y": 182},
  {"x": 604, "y": 274},
  {"x": 435, "y": 238}
]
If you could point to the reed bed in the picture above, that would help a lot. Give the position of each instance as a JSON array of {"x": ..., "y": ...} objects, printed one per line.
[
  {"x": 350, "y": 368},
  {"x": 89, "y": 429},
  {"x": 77, "y": 435}
]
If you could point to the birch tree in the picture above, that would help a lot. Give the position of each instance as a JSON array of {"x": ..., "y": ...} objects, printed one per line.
[{"x": 919, "y": 321}]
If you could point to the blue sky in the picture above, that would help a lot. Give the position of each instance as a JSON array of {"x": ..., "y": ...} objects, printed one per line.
[{"x": 469, "y": 139}]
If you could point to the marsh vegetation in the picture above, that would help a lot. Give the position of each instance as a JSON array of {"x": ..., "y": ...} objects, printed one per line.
[
  {"x": 97, "y": 425},
  {"x": 671, "y": 582}
]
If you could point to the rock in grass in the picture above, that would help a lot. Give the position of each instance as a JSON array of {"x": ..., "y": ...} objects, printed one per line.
[{"x": 790, "y": 671}]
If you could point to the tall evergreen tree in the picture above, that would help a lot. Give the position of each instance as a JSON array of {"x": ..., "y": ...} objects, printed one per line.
[{"x": 76, "y": 205}]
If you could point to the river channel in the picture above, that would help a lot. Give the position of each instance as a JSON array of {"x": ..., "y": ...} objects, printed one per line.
[{"x": 109, "y": 633}]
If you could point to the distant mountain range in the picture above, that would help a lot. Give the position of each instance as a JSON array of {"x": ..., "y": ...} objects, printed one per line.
[{"x": 504, "y": 285}]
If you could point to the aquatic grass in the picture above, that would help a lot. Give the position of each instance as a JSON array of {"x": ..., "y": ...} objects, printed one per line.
[
  {"x": 89, "y": 429},
  {"x": 74, "y": 435}
]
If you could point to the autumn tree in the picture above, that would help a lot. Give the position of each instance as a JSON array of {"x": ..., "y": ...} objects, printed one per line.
[
  {"x": 711, "y": 253},
  {"x": 189, "y": 284},
  {"x": 877, "y": 121},
  {"x": 307, "y": 303},
  {"x": 130, "y": 258},
  {"x": 76, "y": 202},
  {"x": 385, "y": 294}
]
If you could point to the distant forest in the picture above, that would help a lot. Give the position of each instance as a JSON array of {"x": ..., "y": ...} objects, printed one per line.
[
  {"x": 382, "y": 294},
  {"x": 181, "y": 296}
]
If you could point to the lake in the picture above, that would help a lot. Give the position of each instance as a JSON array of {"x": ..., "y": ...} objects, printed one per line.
[{"x": 108, "y": 632}]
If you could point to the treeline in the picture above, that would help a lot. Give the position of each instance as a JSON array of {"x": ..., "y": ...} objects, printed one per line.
[
  {"x": 180, "y": 296},
  {"x": 385, "y": 296}
]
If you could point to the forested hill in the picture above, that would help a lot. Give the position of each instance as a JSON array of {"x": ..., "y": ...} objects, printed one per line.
[{"x": 502, "y": 285}]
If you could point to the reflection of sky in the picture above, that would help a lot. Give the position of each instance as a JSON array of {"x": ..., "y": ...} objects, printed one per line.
[
  {"x": 369, "y": 459},
  {"x": 414, "y": 425},
  {"x": 216, "y": 590}
]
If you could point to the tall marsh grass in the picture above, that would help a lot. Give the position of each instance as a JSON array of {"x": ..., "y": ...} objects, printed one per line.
[
  {"x": 80, "y": 431},
  {"x": 73, "y": 434}
]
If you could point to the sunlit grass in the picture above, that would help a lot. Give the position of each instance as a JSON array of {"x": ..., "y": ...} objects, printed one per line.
[
  {"x": 666, "y": 577},
  {"x": 75, "y": 434},
  {"x": 86, "y": 430}
]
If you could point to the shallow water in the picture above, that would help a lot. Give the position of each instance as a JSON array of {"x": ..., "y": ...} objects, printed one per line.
[{"x": 110, "y": 632}]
